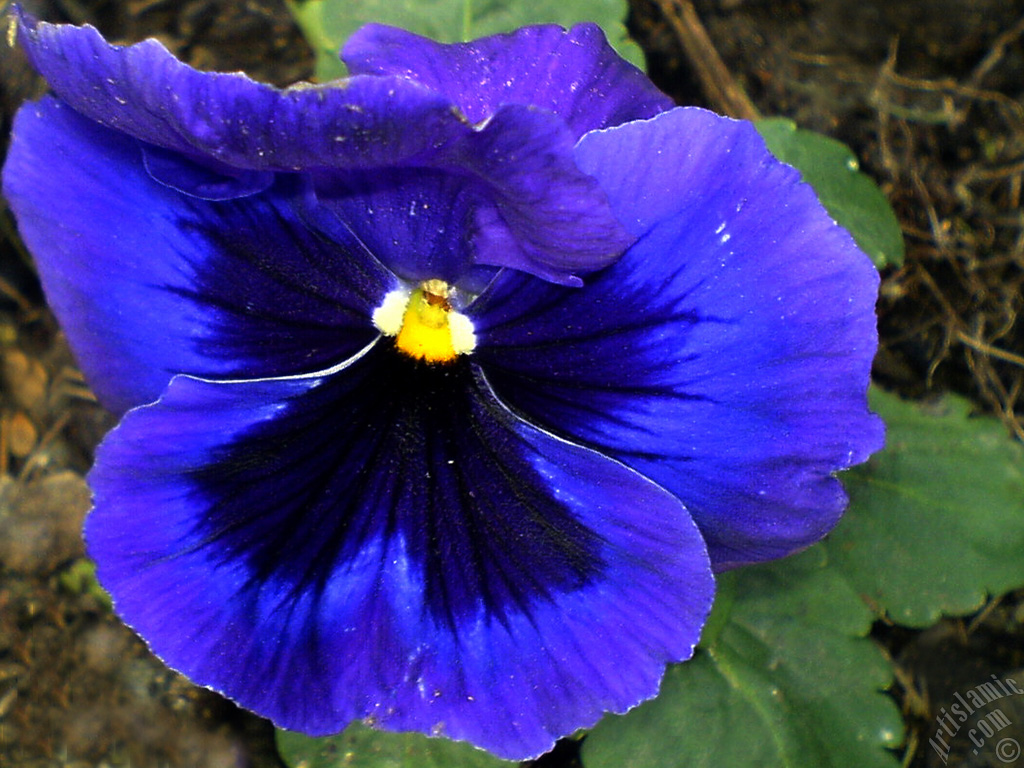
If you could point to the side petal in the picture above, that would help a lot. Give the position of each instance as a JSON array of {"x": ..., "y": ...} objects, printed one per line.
[
  {"x": 726, "y": 356},
  {"x": 534, "y": 201},
  {"x": 388, "y": 542},
  {"x": 148, "y": 282},
  {"x": 573, "y": 73}
]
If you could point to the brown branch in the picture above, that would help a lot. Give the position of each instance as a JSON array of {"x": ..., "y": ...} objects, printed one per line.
[
  {"x": 722, "y": 91},
  {"x": 988, "y": 349},
  {"x": 995, "y": 54}
]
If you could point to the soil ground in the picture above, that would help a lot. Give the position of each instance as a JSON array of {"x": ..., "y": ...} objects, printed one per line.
[{"x": 928, "y": 93}]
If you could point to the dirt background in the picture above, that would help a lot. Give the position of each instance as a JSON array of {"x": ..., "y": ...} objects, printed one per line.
[{"x": 928, "y": 93}]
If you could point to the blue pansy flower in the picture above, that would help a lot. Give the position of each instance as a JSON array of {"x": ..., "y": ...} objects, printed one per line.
[{"x": 445, "y": 388}]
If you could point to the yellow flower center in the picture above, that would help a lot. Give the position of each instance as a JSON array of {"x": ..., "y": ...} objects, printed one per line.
[{"x": 424, "y": 324}]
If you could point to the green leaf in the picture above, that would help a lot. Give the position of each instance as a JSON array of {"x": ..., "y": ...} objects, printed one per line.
[
  {"x": 80, "y": 579},
  {"x": 327, "y": 24},
  {"x": 361, "y": 747},
  {"x": 852, "y": 199},
  {"x": 936, "y": 520},
  {"x": 786, "y": 678}
]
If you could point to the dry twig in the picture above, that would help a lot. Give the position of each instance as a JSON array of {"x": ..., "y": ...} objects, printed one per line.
[{"x": 719, "y": 86}]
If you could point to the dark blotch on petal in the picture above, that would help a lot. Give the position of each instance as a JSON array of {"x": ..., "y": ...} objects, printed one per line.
[
  {"x": 418, "y": 457},
  {"x": 287, "y": 298}
]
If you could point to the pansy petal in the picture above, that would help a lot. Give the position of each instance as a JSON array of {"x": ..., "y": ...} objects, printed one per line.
[
  {"x": 388, "y": 542},
  {"x": 573, "y": 73},
  {"x": 534, "y": 200},
  {"x": 546, "y": 219},
  {"x": 414, "y": 220},
  {"x": 144, "y": 91},
  {"x": 148, "y": 282},
  {"x": 726, "y": 355},
  {"x": 525, "y": 206},
  {"x": 203, "y": 178}
]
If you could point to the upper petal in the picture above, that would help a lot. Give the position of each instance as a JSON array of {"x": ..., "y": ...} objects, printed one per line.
[
  {"x": 726, "y": 355},
  {"x": 388, "y": 542},
  {"x": 144, "y": 91},
  {"x": 149, "y": 282},
  {"x": 515, "y": 199},
  {"x": 573, "y": 73},
  {"x": 536, "y": 209}
]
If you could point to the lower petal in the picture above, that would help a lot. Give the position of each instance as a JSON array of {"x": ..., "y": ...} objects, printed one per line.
[{"x": 386, "y": 541}]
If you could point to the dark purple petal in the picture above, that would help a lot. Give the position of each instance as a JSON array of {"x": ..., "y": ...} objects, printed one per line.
[
  {"x": 574, "y": 73},
  {"x": 148, "y": 282},
  {"x": 414, "y": 220},
  {"x": 203, "y": 178},
  {"x": 545, "y": 219},
  {"x": 145, "y": 92},
  {"x": 387, "y": 541},
  {"x": 726, "y": 356},
  {"x": 523, "y": 207},
  {"x": 536, "y": 210}
]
